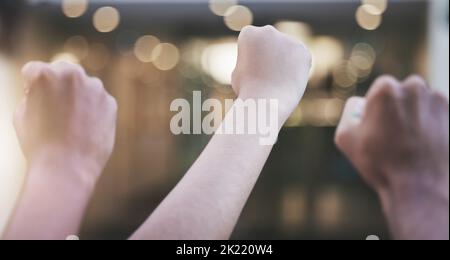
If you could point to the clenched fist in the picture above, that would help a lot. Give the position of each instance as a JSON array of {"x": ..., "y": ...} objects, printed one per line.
[
  {"x": 271, "y": 66},
  {"x": 66, "y": 114},
  {"x": 398, "y": 139}
]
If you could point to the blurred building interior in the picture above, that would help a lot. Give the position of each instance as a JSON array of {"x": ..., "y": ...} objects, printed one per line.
[{"x": 149, "y": 52}]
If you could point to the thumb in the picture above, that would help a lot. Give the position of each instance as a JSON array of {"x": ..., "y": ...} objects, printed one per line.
[{"x": 346, "y": 133}]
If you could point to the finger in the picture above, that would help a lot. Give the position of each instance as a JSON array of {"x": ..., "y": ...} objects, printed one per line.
[
  {"x": 353, "y": 113},
  {"x": 61, "y": 65},
  {"x": 383, "y": 85},
  {"x": 96, "y": 84},
  {"x": 31, "y": 68},
  {"x": 68, "y": 71},
  {"x": 33, "y": 72},
  {"x": 414, "y": 89},
  {"x": 439, "y": 97},
  {"x": 383, "y": 94},
  {"x": 350, "y": 120},
  {"x": 416, "y": 81}
]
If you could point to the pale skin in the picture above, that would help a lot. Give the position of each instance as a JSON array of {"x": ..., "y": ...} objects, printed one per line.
[
  {"x": 74, "y": 124},
  {"x": 208, "y": 201},
  {"x": 398, "y": 139},
  {"x": 66, "y": 127}
]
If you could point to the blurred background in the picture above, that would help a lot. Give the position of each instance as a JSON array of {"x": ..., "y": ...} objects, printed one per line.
[{"x": 149, "y": 52}]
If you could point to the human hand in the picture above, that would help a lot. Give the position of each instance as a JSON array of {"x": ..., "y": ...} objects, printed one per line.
[
  {"x": 398, "y": 139},
  {"x": 68, "y": 116},
  {"x": 271, "y": 66}
]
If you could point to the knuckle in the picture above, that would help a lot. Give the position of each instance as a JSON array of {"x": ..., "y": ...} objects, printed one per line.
[
  {"x": 385, "y": 87},
  {"x": 251, "y": 32},
  {"x": 386, "y": 91},
  {"x": 415, "y": 80},
  {"x": 269, "y": 28},
  {"x": 69, "y": 71},
  {"x": 340, "y": 139},
  {"x": 248, "y": 29},
  {"x": 414, "y": 86},
  {"x": 113, "y": 103},
  {"x": 72, "y": 74},
  {"x": 44, "y": 74},
  {"x": 64, "y": 64},
  {"x": 97, "y": 83},
  {"x": 439, "y": 100},
  {"x": 386, "y": 80}
]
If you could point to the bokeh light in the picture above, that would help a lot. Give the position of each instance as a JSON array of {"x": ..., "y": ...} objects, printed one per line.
[
  {"x": 345, "y": 75},
  {"x": 106, "y": 19},
  {"x": 327, "y": 53},
  {"x": 237, "y": 17},
  {"x": 145, "y": 75},
  {"x": 220, "y": 7},
  {"x": 317, "y": 112},
  {"x": 74, "y": 8},
  {"x": 375, "y": 7},
  {"x": 363, "y": 58},
  {"x": 219, "y": 60},
  {"x": 328, "y": 209},
  {"x": 332, "y": 111},
  {"x": 143, "y": 49},
  {"x": 366, "y": 19},
  {"x": 78, "y": 46},
  {"x": 192, "y": 52},
  {"x": 365, "y": 49},
  {"x": 293, "y": 209},
  {"x": 166, "y": 56},
  {"x": 64, "y": 56},
  {"x": 298, "y": 30}
]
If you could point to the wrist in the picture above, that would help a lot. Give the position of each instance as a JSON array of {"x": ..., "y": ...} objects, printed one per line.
[
  {"x": 416, "y": 205},
  {"x": 283, "y": 108},
  {"x": 55, "y": 195},
  {"x": 403, "y": 184},
  {"x": 65, "y": 166}
]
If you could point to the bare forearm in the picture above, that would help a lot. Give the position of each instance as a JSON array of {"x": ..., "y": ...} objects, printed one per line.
[
  {"x": 52, "y": 204},
  {"x": 207, "y": 203}
]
